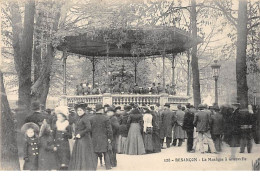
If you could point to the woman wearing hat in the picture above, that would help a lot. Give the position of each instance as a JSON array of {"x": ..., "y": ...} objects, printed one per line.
[
  {"x": 134, "y": 141},
  {"x": 83, "y": 157},
  {"x": 31, "y": 146},
  {"x": 62, "y": 132}
]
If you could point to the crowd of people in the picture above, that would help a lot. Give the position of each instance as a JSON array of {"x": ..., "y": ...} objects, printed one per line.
[
  {"x": 124, "y": 88},
  {"x": 106, "y": 131}
]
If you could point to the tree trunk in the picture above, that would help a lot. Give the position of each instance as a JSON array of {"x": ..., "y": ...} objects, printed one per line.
[
  {"x": 16, "y": 19},
  {"x": 37, "y": 49},
  {"x": 40, "y": 88},
  {"x": 24, "y": 74},
  {"x": 194, "y": 61},
  {"x": 9, "y": 152},
  {"x": 241, "y": 68}
]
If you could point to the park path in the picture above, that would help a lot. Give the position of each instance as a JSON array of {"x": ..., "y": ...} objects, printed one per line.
[
  {"x": 177, "y": 159},
  {"x": 170, "y": 159}
]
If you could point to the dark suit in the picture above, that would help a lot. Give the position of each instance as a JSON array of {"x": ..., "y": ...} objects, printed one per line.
[
  {"x": 189, "y": 127},
  {"x": 115, "y": 128},
  {"x": 101, "y": 132},
  {"x": 168, "y": 118},
  {"x": 217, "y": 129},
  {"x": 246, "y": 122}
]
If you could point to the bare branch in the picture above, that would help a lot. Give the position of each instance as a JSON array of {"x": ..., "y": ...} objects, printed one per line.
[
  {"x": 230, "y": 18},
  {"x": 254, "y": 25}
]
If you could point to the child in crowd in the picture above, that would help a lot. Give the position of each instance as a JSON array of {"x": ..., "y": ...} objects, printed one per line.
[
  {"x": 62, "y": 132},
  {"x": 31, "y": 146}
]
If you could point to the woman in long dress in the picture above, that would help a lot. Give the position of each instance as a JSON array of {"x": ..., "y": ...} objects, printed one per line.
[
  {"x": 83, "y": 157},
  {"x": 148, "y": 130},
  {"x": 134, "y": 142}
]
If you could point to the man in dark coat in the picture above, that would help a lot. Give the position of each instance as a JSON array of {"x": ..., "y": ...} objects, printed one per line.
[
  {"x": 136, "y": 89},
  {"x": 188, "y": 126},
  {"x": 168, "y": 119},
  {"x": 246, "y": 122},
  {"x": 101, "y": 134},
  {"x": 179, "y": 133},
  {"x": 217, "y": 128},
  {"x": 160, "y": 88},
  {"x": 115, "y": 126},
  {"x": 154, "y": 89},
  {"x": 37, "y": 116},
  {"x": 202, "y": 123}
]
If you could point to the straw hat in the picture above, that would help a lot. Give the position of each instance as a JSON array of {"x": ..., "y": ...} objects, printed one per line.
[{"x": 62, "y": 110}]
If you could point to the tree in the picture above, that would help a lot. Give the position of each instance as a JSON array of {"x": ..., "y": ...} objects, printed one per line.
[
  {"x": 243, "y": 25},
  {"x": 25, "y": 62},
  {"x": 194, "y": 61},
  {"x": 9, "y": 152}
]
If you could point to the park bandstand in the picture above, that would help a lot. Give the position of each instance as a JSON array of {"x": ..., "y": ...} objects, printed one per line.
[{"x": 126, "y": 43}]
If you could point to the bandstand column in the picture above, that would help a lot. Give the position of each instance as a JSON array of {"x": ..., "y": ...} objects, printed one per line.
[
  {"x": 163, "y": 54},
  {"x": 135, "y": 62},
  {"x": 93, "y": 72},
  {"x": 188, "y": 73},
  {"x": 173, "y": 69},
  {"x": 63, "y": 98},
  {"x": 107, "y": 75},
  {"x": 64, "y": 65}
]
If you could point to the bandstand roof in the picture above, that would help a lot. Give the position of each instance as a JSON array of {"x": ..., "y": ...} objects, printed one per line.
[{"x": 151, "y": 41}]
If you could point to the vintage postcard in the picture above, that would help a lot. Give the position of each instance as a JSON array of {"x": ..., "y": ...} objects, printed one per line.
[{"x": 130, "y": 85}]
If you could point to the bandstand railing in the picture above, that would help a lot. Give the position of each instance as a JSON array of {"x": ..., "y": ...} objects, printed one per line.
[
  {"x": 123, "y": 99},
  {"x": 138, "y": 99},
  {"x": 91, "y": 100}
]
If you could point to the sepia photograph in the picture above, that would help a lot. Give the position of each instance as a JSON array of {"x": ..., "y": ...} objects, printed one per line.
[{"x": 129, "y": 85}]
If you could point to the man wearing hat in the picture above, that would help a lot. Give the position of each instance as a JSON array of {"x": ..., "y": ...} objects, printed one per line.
[
  {"x": 37, "y": 116},
  {"x": 246, "y": 122},
  {"x": 188, "y": 126},
  {"x": 101, "y": 134},
  {"x": 217, "y": 127},
  {"x": 115, "y": 127},
  {"x": 179, "y": 133},
  {"x": 202, "y": 123},
  {"x": 168, "y": 118}
]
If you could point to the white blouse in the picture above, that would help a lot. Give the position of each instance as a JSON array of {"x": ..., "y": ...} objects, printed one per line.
[{"x": 148, "y": 120}]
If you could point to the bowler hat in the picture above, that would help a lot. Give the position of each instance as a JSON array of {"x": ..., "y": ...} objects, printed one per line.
[
  {"x": 29, "y": 125},
  {"x": 81, "y": 105},
  {"x": 99, "y": 106},
  {"x": 236, "y": 104},
  {"x": 110, "y": 109},
  {"x": 188, "y": 105},
  {"x": 216, "y": 107},
  {"x": 167, "y": 105},
  {"x": 201, "y": 106},
  {"x": 35, "y": 105},
  {"x": 118, "y": 108},
  {"x": 127, "y": 108}
]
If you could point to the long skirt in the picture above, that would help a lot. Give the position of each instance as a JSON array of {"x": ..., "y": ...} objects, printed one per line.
[
  {"x": 83, "y": 156},
  {"x": 134, "y": 142},
  {"x": 121, "y": 144},
  {"x": 156, "y": 141},
  {"x": 148, "y": 140}
]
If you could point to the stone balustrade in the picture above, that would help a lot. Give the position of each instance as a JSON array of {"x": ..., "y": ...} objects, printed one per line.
[{"x": 123, "y": 99}]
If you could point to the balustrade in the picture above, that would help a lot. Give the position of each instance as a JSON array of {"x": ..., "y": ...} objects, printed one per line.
[{"x": 123, "y": 99}]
